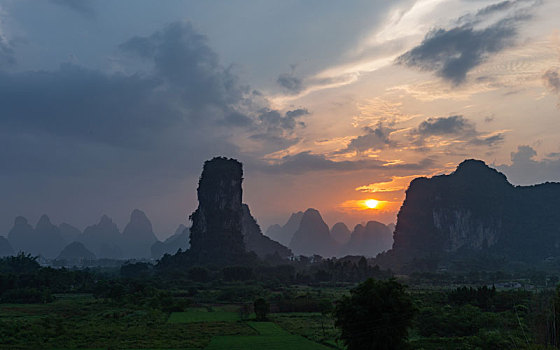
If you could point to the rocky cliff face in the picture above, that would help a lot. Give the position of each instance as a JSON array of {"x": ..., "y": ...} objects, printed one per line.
[
  {"x": 216, "y": 232},
  {"x": 476, "y": 209},
  {"x": 313, "y": 236},
  {"x": 258, "y": 243},
  {"x": 138, "y": 236}
]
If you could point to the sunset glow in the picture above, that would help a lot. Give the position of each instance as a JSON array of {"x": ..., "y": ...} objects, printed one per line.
[{"x": 371, "y": 203}]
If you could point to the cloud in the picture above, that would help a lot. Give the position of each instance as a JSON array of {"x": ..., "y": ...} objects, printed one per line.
[
  {"x": 304, "y": 162},
  {"x": 278, "y": 129},
  {"x": 75, "y": 120},
  {"x": 455, "y": 127},
  {"x": 526, "y": 170},
  {"x": 182, "y": 58},
  {"x": 83, "y": 7},
  {"x": 372, "y": 140},
  {"x": 290, "y": 82},
  {"x": 452, "y": 53}
]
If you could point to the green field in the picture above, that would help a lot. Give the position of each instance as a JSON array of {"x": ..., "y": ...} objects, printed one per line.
[
  {"x": 204, "y": 315},
  {"x": 270, "y": 336},
  {"x": 82, "y": 322}
]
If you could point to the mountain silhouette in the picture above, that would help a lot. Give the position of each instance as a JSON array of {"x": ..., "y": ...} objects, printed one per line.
[
  {"x": 284, "y": 234},
  {"x": 369, "y": 240},
  {"x": 103, "y": 239},
  {"x": 138, "y": 236},
  {"x": 313, "y": 236},
  {"x": 256, "y": 242},
  {"x": 22, "y": 236},
  {"x": 179, "y": 240},
  {"x": 69, "y": 233},
  {"x": 44, "y": 240},
  {"x": 216, "y": 232},
  {"x": 75, "y": 253},
  {"x": 340, "y": 232},
  {"x": 475, "y": 209}
]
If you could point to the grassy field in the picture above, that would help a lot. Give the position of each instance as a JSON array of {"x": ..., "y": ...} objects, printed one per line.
[
  {"x": 270, "y": 336},
  {"x": 204, "y": 315},
  {"x": 82, "y": 322}
]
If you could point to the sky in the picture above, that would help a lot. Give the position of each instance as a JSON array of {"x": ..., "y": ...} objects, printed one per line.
[{"x": 107, "y": 106}]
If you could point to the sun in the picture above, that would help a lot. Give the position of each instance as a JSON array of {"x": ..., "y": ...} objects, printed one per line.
[{"x": 371, "y": 203}]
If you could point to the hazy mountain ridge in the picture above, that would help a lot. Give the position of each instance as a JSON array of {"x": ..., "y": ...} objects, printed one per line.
[
  {"x": 179, "y": 240},
  {"x": 75, "y": 252},
  {"x": 256, "y": 242},
  {"x": 313, "y": 237},
  {"x": 284, "y": 234}
]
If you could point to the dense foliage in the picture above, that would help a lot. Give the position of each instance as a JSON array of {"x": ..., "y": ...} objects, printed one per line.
[{"x": 376, "y": 316}]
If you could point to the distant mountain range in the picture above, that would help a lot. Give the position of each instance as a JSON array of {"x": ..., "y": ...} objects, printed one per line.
[
  {"x": 102, "y": 240},
  {"x": 308, "y": 234}
]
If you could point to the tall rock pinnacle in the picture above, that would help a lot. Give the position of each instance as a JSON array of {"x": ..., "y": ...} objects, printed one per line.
[{"x": 216, "y": 233}]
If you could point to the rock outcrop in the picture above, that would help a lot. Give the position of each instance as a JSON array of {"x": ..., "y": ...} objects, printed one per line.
[
  {"x": 138, "y": 236},
  {"x": 340, "y": 232},
  {"x": 5, "y": 247},
  {"x": 104, "y": 239},
  {"x": 258, "y": 243},
  {"x": 313, "y": 236},
  {"x": 475, "y": 209},
  {"x": 179, "y": 240},
  {"x": 284, "y": 234},
  {"x": 75, "y": 253},
  {"x": 216, "y": 232}
]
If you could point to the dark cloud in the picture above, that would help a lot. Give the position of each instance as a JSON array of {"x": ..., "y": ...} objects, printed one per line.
[
  {"x": 452, "y": 53},
  {"x": 181, "y": 56},
  {"x": 277, "y": 129},
  {"x": 488, "y": 140},
  {"x": 454, "y": 127},
  {"x": 526, "y": 170},
  {"x": 307, "y": 162},
  {"x": 75, "y": 120},
  {"x": 83, "y": 7},
  {"x": 290, "y": 82},
  {"x": 373, "y": 139}
]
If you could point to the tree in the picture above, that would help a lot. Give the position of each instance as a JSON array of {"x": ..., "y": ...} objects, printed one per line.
[
  {"x": 375, "y": 316},
  {"x": 262, "y": 308}
]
